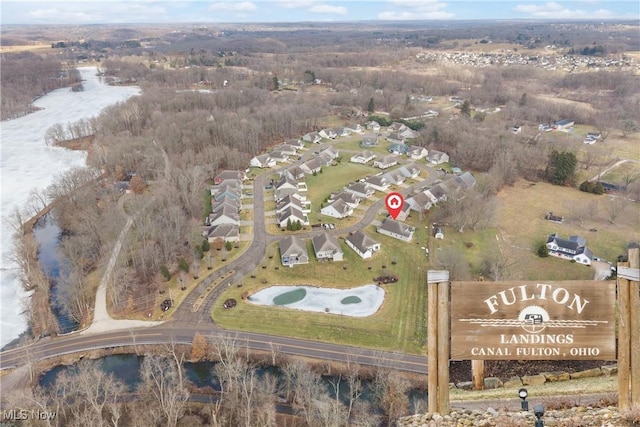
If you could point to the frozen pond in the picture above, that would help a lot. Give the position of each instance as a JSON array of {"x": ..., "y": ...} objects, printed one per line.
[
  {"x": 356, "y": 302},
  {"x": 26, "y": 163}
]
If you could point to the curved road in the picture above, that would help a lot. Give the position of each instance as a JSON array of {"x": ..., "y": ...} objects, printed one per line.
[{"x": 185, "y": 323}]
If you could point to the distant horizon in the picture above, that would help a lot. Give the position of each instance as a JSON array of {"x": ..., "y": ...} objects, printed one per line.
[{"x": 157, "y": 12}]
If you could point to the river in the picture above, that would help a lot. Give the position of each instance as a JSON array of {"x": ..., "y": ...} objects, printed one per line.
[{"x": 26, "y": 163}]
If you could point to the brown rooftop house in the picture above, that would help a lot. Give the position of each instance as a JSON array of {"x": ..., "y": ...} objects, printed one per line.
[
  {"x": 327, "y": 247},
  {"x": 293, "y": 250},
  {"x": 229, "y": 174},
  {"x": 362, "y": 244}
]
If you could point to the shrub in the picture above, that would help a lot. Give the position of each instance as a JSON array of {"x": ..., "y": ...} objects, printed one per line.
[
  {"x": 543, "y": 251},
  {"x": 205, "y": 245},
  {"x": 183, "y": 265},
  {"x": 228, "y": 246},
  {"x": 165, "y": 272}
]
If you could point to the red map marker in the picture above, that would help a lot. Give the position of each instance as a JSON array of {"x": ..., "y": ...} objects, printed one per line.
[{"x": 394, "y": 202}]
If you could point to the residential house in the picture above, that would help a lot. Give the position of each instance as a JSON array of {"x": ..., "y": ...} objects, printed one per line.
[
  {"x": 385, "y": 162},
  {"x": 369, "y": 141},
  {"x": 287, "y": 149},
  {"x": 408, "y": 133},
  {"x": 226, "y": 232},
  {"x": 419, "y": 202},
  {"x": 437, "y": 157},
  {"x": 349, "y": 198},
  {"x": 398, "y": 148},
  {"x": 327, "y": 247},
  {"x": 311, "y": 166},
  {"x": 328, "y": 134},
  {"x": 227, "y": 190},
  {"x": 362, "y": 157},
  {"x": 396, "y": 229},
  {"x": 410, "y": 170},
  {"x": 373, "y": 125},
  {"x": 313, "y": 137},
  {"x": 293, "y": 251},
  {"x": 291, "y": 215},
  {"x": 565, "y": 125},
  {"x": 229, "y": 174},
  {"x": 291, "y": 200},
  {"x": 225, "y": 215},
  {"x": 294, "y": 172},
  {"x": 395, "y": 177},
  {"x": 329, "y": 154},
  {"x": 396, "y": 138},
  {"x": 362, "y": 244},
  {"x": 378, "y": 182},
  {"x": 397, "y": 127},
  {"x": 437, "y": 193},
  {"x": 279, "y": 156},
  {"x": 262, "y": 161},
  {"x": 342, "y": 131},
  {"x": 417, "y": 153},
  {"x": 338, "y": 209},
  {"x": 356, "y": 127},
  {"x": 404, "y": 212},
  {"x": 287, "y": 181},
  {"x": 298, "y": 144},
  {"x": 216, "y": 205},
  {"x": 575, "y": 248},
  {"x": 360, "y": 189},
  {"x": 464, "y": 181}
]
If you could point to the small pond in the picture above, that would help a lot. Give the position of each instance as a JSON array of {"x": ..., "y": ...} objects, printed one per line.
[{"x": 357, "y": 302}]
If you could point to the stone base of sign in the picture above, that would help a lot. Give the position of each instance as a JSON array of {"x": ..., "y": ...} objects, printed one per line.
[
  {"x": 542, "y": 378},
  {"x": 590, "y": 373}
]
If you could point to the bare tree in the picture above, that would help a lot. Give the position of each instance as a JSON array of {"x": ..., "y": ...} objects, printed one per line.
[
  {"x": 162, "y": 382},
  {"x": 497, "y": 264},
  {"x": 614, "y": 208},
  {"x": 451, "y": 259}
]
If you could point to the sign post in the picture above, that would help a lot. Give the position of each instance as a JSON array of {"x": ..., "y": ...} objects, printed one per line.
[
  {"x": 438, "y": 341},
  {"x": 629, "y": 331}
]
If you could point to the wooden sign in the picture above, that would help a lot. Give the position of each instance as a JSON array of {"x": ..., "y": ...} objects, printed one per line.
[{"x": 568, "y": 320}]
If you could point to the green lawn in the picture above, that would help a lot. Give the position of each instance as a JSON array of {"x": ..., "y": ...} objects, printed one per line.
[{"x": 400, "y": 324}]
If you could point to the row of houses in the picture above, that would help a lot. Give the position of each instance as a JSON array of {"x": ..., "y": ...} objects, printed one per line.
[
  {"x": 292, "y": 205},
  {"x": 279, "y": 154},
  {"x": 425, "y": 199},
  {"x": 226, "y": 201},
  {"x": 293, "y": 249},
  {"x": 317, "y": 137}
]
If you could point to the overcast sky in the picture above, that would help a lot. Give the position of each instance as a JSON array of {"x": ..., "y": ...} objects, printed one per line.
[{"x": 150, "y": 11}]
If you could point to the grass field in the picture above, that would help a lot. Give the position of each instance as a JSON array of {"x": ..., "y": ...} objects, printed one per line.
[
  {"x": 520, "y": 218},
  {"x": 399, "y": 325}
]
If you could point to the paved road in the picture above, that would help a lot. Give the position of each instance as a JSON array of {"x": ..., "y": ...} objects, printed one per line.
[
  {"x": 185, "y": 323},
  {"x": 182, "y": 333}
]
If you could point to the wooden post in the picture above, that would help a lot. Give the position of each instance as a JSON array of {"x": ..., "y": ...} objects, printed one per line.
[
  {"x": 629, "y": 331},
  {"x": 432, "y": 345},
  {"x": 443, "y": 347},
  {"x": 634, "y": 338},
  {"x": 623, "y": 340},
  {"x": 477, "y": 374},
  {"x": 438, "y": 341}
]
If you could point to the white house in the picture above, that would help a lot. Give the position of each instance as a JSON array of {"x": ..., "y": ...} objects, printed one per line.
[
  {"x": 291, "y": 215},
  {"x": 437, "y": 157},
  {"x": 293, "y": 251},
  {"x": 226, "y": 232},
  {"x": 349, "y": 198},
  {"x": 360, "y": 189},
  {"x": 575, "y": 248},
  {"x": 373, "y": 125},
  {"x": 417, "y": 153},
  {"x": 262, "y": 161},
  {"x": 338, "y": 209},
  {"x": 362, "y": 244},
  {"x": 313, "y": 137},
  {"x": 396, "y": 229},
  {"x": 385, "y": 162},
  {"x": 362, "y": 157},
  {"x": 328, "y": 134},
  {"x": 410, "y": 170},
  {"x": 327, "y": 247},
  {"x": 378, "y": 182}
]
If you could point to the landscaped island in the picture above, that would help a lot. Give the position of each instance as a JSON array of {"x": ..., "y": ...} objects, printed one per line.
[{"x": 356, "y": 302}]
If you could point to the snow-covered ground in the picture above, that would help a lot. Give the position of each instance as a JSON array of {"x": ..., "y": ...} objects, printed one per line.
[
  {"x": 321, "y": 299},
  {"x": 26, "y": 163}
]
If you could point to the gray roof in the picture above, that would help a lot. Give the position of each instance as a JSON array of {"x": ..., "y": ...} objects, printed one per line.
[
  {"x": 359, "y": 187},
  {"x": 361, "y": 241},
  {"x": 397, "y": 227},
  {"x": 292, "y": 245},
  {"x": 223, "y": 230},
  {"x": 325, "y": 242}
]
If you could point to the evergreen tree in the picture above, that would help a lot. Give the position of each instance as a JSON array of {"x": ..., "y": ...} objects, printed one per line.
[
  {"x": 561, "y": 169},
  {"x": 371, "y": 107},
  {"x": 465, "y": 109}
]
